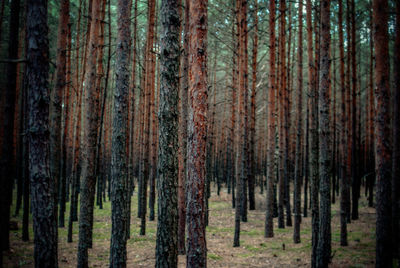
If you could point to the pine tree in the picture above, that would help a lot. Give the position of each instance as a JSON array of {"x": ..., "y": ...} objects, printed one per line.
[
  {"x": 196, "y": 253},
  {"x": 42, "y": 184},
  {"x": 167, "y": 185}
]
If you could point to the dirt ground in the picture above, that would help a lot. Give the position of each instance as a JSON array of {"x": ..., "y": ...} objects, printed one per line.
[{"x": 254, "y": 251}]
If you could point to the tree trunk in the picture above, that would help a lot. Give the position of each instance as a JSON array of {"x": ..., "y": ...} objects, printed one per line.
[
  {"x": 396, "y": 142},
  {"x": 195, "y": 216},
  {"x": 89, "y": 140},
  {"x": 383, "y": 141},
  {"x": 167, "y": 228},
  {"x": 313, "y": 137},
  {"x": 148, "y": 88},
  {"x": 119, "y": 179},
  {"x": 324, "y": 236},
  {"x": 42, "y": 185},
  {"x": 183, "y": 136},
  {"x": 7, "y": 158},
  {"x": 354, "y": 148},
  {"x": 282, "y": 108},
  {"x": 299, "y": 108},
  {"x": 56, "y": 108},
  {"x": 252, "y": 160},
  {"x": 271, "y": 174},
  {"x": 343, "y": 169}
]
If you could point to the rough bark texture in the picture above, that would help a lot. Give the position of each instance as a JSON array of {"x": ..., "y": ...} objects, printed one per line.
[
  {"x": 56, "y": 106},
  {"x": 269, "y": 227},
  {"x": 252, "y": 160},
  {"x": 167, "y": 184},
  {"x": 299, "y": 109},
  {"x": 283, "y": 109},
  {"x": 383, "y": 141},
  {"x": 88, "y": 141},
  {"x": 355, "y": 138},
  {"x": 42, "y": 185},
  {"x": 183, "y": 132},
  {"x": 396, "y": 141},
  {"x": 148, "y": 88},
  {"x": 324, "y": 236},
  {"x": 343, "y": 170},
  {"x": 313, "y": 161},
  {"x": 119, "y": 178},
  {"x": 196, "y": 255}
]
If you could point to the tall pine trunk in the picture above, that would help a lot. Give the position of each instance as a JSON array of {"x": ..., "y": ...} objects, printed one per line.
[
  {"x": 119, "y": 178},
  {"x": 271, "y": 174},
  {"x": 89, "y": 140},
  {"x": 324, "y": 236},
  {"x": 42, "y": 184},
  {"x": 299, "y": 108},
  {"x": 167, "y": 185},
  {"x": 7, "y": 158},
  {"x": 383, "y": 148},
  {"x": 196, "y": 254}
]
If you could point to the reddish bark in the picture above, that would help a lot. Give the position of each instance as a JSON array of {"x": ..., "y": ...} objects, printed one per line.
[{"x": 197, "y": 123}]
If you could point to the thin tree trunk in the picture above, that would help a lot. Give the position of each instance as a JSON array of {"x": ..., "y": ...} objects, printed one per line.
[
  {"x": 56, "y": 109},
  {"x": 88, "y": 141},
  {"x": 297, "y": 173},
  {"x": 252, "y": 160},
  {"x": 354, "y": 148},
  {"x": 182, "y": 175},
  {"x": 396, "y": 142},
  {"x": 313, "y": 138},
  {"x": 7, "y": 170},
  {"x": 271, "y": 174},
  {"x": 342, "y": 149}
]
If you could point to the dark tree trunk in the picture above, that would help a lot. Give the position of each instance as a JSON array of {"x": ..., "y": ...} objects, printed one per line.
[
  {"x": 56, "y": 109},
  {"x": 42, "y": 185},
  {"x": 299, "y": 108},
  {"x": 195, "y": 217},
  {"x": 88, "y": 141},
  {"x": 231, "y": 145},
  {"x": 25, "y": 158},
  {"x": 282, "y": 108},
  {"x": 252, "y": 160},
  {"x": 119, "y": 179},
  {"x": 354, "y": 148},
  {"x": 7, "y": 169},
  {"x": 383, "y": 141},
  {"x": 271, "y": 174},
  {"x": 396, "y": 142},
  {"x": 306, "y": 166},
  {"x": 183, "y": 135},
  {"x": 313, "y": 95},
  {"x": 148, "y": 88},
  {"x": 324, "y": 236},
  {"x": 167, "y": 185},
  {"x": 343, "y": 170}
]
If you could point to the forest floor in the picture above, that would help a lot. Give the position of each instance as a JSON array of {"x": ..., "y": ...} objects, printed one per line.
[{"x": 254, "y": 250}]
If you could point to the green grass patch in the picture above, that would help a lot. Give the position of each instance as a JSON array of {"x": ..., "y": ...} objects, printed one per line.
[{"x": 214, "y": 257}]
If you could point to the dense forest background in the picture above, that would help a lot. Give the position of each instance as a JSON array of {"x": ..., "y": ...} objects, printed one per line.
[{"x": 176, "y": 115}]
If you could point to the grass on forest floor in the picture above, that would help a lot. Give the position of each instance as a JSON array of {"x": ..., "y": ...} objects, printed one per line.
[{"x": 254, "y": 250}]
